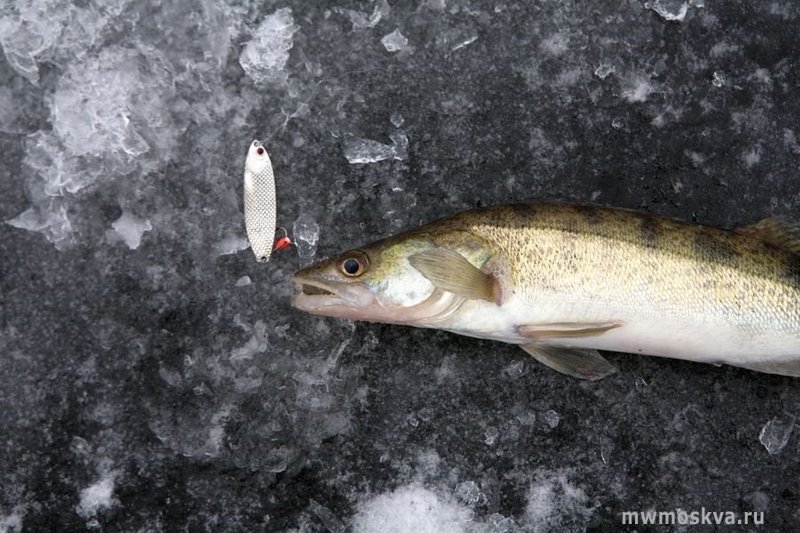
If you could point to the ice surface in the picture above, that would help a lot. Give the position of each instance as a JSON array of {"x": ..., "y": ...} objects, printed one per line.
[
  {"x": 490, "y": 435},
  {"x": 12, "y": 523},
  {"x": 718, "y": 78},
  {"x": 97, "y": 497},
  {"x": 411, "y": 508},
  {"x": 129, "y": 228},
  {"x": 552, "y": 418},
  {"x": 264, "y": 57},
  {"x": 326, "y": 516},
  {"x": 244, "y": 281},
  {"x": 306, "y": 235},
  {"x": 395, "y": 41},
  {"x": 775, "y": 433}
]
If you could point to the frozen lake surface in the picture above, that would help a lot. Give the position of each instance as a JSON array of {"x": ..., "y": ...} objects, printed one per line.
[{"x": 153, "y": 376}]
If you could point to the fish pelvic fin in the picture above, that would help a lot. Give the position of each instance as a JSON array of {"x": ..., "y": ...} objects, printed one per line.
[
  {"x": 561, "y": 330},
  {"x": 782, "y": 368},
  {"x": 576, "y": 362},
  {"x": 452, "y": 272},
  {"x": 778, "y": 231}
]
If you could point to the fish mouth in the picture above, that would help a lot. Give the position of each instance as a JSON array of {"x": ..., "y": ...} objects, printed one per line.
[{"x": 319, "y": 296}]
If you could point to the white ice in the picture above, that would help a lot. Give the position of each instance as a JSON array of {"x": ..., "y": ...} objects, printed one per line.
[
  {"x": 551, "y": 497},
  {"x": 411, "y": 508},
  {"x": 604, "y": 70},
  {"x": 775, "y": 433},
  {"x": 49, "y": 219},
  {"x": 669, "y": 10},
  {"x": 97, "y": 496},
  {"x": 395, "y": 41},
  {"x": 230, "y": 245},
  {"x": 264, "y": 57},
  {"x": 637, "y": 90},
  {"x": 363, "y": 20},
  {"x": 129, "y": 228},
  {"x": 369, "y": 151}
]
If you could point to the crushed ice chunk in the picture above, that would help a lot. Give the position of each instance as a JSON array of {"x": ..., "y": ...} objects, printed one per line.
[
  {"x": 604, "y": 70},
  {"x": 52, "y": 222},
  {"x": 669, "y": 10},
  {"x": 369, "y": 151},
  {"x": 97, "y": 496},
  {"x": 638, "y": 90},
  {"x": 257, "y": 344},
  {"x": 244, "y": 281},
  {"x": 552, "y": 418},
  {"x": 553, "y": 496},
  {"x": 718, "y": 78},
  {"x": 490, "y": 435},
  {"x": 464, "y": 43},
  {"x": 411, "y": 508},
  {"x": 468, "y": 492},
  {"x": 264, "y": 57},
  {"x": 396, "y": 119},
  {"x": 395, "y": 41},
  {"x": 775, "y": 433},
  {"x": 306, "y": 235},
  {"x": 526, "y": 418},
  {"x": 361, "y": 20},
  {"x": 231, "y": 245},
  {"x": 752, "y": 156},
  {"x": 331, "y": 522},
  {"x": 129, "y": 229}
]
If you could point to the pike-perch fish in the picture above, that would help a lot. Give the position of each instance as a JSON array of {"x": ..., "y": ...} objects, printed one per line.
[{"x": 563, "y": 281}]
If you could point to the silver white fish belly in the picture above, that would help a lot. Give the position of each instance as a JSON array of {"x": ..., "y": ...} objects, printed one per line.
[{"x": 259, "y": 201}]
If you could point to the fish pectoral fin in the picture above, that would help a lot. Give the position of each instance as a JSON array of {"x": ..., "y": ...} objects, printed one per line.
[
  {"x": 562, "y": 330},
  {"x": 576, "y": 362},
  {"x": 778, "y": 231},
  {"x": 450, "y": 271}
]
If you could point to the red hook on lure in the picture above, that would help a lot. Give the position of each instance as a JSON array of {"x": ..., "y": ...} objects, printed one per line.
[{"x": 283, "y": 242}]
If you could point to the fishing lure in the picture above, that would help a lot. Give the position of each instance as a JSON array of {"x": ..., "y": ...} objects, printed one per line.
[{"x": 259, "y": 201}]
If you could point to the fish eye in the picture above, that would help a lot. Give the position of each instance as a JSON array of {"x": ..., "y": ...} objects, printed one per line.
[
  {"x": 260, "y": 150},
  {"x": 353, "y": 264}
]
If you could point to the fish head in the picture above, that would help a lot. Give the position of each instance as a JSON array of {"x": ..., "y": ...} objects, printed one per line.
[{"x": 377, "y": 283}]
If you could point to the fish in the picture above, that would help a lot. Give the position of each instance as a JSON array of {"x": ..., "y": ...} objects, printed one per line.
[
  {"x": 563, "y": 281},
  {"x": 259, "y": 201}
]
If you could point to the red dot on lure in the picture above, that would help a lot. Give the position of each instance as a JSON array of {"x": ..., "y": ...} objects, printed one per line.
[{"x": 260, "y": 150}]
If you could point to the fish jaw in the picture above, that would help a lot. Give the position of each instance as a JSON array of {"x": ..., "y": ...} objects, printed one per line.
[{"x": 318, "y": 296}]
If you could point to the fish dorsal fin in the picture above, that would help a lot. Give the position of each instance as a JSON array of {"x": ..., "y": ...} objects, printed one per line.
[
  {"x": 450, "y": 271},
  {"x": 777, "y": 231},
  {"x": 575, "y": 362}
]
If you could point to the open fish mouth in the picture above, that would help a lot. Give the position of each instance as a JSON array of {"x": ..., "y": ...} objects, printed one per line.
[
  {"x": 316, "y": 295},
  {"x": 313, "y": 290}
]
